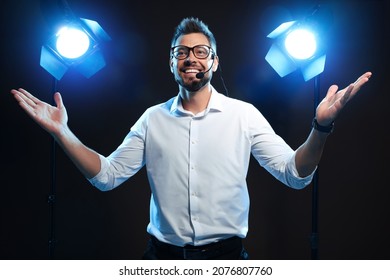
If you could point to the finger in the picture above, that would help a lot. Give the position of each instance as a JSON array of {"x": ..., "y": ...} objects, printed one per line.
[
  {"x": 362, "y": 80},
  {"x": 22, "y": 99},
  {"x": 331, "y": 92},
  {"x": 347, "y": 94},
  {"x": 25, "y": 103},
  {"x": 24, "y": 96},
  {"x": 58, "y": 100},
  {"x": 29, "y": 95},
  {"x": 366, "y": 75}
]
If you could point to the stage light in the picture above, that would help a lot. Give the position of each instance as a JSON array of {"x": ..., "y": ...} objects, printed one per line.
[
  {"x": 295, "y": 47},
  {"x": 302, "y": 45},
  {"x": 77, "y": 46},
  {"x": 72, "y": 43}
]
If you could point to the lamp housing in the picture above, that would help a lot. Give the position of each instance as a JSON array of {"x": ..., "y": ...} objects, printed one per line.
[{"x": 53, "y": 61}]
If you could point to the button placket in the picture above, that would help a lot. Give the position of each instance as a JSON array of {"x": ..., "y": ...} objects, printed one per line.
[{"x": 193, "y": 175}]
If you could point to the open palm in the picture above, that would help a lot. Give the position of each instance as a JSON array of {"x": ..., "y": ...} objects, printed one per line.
[
  {"x": 51, "y": 118},
  {"x": 334, "y": 101}
]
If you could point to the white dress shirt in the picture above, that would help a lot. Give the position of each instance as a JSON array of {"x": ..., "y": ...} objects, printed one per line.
[{"x": 197, "y": 167}]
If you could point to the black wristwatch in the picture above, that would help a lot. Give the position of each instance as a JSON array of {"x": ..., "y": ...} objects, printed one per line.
[{"x": 326, "y": 129}]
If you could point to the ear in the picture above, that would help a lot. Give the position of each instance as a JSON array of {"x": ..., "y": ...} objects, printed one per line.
[
  {"x": 171, "y": 64},
  {"x": 216, "y": 62}
]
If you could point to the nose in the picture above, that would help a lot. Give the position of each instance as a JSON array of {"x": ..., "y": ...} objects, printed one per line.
[
  {"x": 190, "y": 58},
  {"x": 191, "y": 55}
]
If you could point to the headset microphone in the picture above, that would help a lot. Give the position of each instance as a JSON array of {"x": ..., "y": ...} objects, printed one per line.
[{"x": 200, "y": 75}]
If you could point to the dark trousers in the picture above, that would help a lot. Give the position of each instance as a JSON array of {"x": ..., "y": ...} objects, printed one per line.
[{"x": 228, "y": 249}]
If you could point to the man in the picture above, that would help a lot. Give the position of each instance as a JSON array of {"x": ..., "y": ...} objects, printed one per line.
[{"x": 196, "y": 148}]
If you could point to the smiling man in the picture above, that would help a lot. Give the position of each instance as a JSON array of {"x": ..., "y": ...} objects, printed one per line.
[{"x": 196, "y": 148}]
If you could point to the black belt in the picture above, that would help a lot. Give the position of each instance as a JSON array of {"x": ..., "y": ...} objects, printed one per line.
[{"x": 207, "y": 251}]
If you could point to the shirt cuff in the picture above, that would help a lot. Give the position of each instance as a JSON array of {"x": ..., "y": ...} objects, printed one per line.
[
  {"x": 98, "y": 181},
  {"x": 296, "y": 181}
]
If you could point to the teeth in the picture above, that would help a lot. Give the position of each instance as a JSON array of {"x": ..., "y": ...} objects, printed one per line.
[{"x": 191, "y": 71}]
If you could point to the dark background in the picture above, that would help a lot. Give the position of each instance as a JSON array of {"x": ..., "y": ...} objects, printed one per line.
[{"x": 89, "y": 224}]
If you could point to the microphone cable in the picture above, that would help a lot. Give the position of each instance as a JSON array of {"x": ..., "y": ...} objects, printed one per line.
[{"x": 222, "y": 80}]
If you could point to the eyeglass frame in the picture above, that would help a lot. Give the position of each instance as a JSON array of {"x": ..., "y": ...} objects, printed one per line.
[{"x": 210, "y": 49}]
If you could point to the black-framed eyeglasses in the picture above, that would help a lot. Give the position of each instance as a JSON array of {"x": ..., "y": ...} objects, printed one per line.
[{"x": 199, "y": 51}]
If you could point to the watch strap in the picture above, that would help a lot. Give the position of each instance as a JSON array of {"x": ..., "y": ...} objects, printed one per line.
[{"x": 326, "y": 129}]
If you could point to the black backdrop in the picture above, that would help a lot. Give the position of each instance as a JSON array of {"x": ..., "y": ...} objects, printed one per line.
[{"x": 89, "y": 224}]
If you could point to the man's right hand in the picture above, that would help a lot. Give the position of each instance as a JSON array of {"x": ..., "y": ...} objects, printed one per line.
[{"x": 51, "y": 118}]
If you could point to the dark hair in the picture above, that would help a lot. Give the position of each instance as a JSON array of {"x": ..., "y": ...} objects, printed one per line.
[{"x": 194, "y": 25}]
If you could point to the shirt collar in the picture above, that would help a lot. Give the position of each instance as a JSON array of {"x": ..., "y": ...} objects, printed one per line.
[{"x": 215, "y": 103}]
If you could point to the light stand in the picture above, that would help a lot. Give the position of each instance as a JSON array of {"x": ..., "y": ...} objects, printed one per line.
[
  {"x": 52, "y": 194},
  {"x": 314, "y": 213},
  {"x": 75, "y": 45},
  {"x": 293, "y": 50}
]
